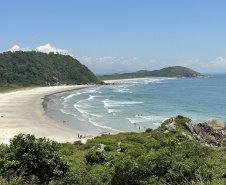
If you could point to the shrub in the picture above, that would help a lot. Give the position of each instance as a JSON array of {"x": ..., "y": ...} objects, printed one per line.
[
  {"x": 125, "y": 147},
  {"x": 27, "y": 156},
  {"x": 110, "y": 148},
  {"x": 148, "y": 130},
  {"x": 95, "y": 157},
  {"x": 78, "y": 143}
]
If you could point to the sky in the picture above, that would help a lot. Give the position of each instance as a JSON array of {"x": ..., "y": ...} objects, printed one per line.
[{"x": 111, "y": 36}]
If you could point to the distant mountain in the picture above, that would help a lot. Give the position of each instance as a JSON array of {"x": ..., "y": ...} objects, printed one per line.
[
  {"x": 40, "y": 69},
  {"x": 175, "y": 71}
]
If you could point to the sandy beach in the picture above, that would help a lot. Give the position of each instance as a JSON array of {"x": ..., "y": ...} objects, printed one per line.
[{"x": 22, "y": 112}]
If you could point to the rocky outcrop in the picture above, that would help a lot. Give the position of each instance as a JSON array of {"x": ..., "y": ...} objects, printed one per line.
[
  {"x": 211, "y": 133},
  {"x": 192, "y": 127},
  {"x": 170, "y": 126},
  {"x": 216, "y": 124},
  {"x": 104, "y": 83}
]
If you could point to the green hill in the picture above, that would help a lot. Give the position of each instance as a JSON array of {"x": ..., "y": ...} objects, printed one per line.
[
  {"x": 175, "y": 71},
  {"x": 40, "y": 69}
]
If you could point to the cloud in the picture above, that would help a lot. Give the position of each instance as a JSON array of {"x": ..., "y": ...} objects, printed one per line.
[
  {"x": 109, "y": 64},
  {"x": 45, "y": 49},
  {"x": 18, "y": 48},
  {"x": 48, "y": 48},
  {"x": 219, "y": 62},
  {"x": 215, "y": 65},
  {"x": 108, "y": 60}
]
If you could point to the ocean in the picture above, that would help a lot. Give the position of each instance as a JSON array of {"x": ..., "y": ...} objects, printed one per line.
[{"x": 136, "y": 105}]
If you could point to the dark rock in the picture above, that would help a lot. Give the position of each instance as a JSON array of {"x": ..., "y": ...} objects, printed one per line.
[
  {"x": 104, "y": 83},
  {"x": 210, "y": 133},
  {"x": 192, "y": 127},
  {"x": 215, "y": 130}
]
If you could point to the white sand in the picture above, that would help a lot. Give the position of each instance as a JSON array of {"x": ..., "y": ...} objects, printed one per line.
[{"x": 22, "y": 112}]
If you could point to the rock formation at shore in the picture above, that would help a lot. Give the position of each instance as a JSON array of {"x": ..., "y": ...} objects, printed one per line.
[{"x": 211, "y": 133}]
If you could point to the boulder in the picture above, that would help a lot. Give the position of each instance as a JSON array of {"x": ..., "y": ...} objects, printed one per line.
[
  {"x": 192, "y": 127},
  {"x": 170, "y": 126},
  {"x": 216, "y": 124},
  {"x": 211, "y": 133},
  {"x": 215, "y": 130}
]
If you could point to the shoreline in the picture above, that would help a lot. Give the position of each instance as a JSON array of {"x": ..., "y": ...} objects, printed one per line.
[
  {"x": 128, "y": 79},
  {"x": 23, "y": 112}
]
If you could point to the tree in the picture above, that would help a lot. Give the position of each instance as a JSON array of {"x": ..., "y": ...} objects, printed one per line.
[{"x": 26, "y": 156}]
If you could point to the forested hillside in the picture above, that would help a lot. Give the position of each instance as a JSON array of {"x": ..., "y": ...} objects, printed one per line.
[
  {"x": 175, "y": 71},
  {"x": 40, "y": 69}
]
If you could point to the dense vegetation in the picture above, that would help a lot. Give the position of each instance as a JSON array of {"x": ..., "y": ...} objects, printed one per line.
[
  {"x": 150, "y": 157},
  {"x": 176, "y": 71},
  {"x": 40, "y": 69}
]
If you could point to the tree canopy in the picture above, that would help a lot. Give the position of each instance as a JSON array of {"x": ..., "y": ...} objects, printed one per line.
[
  {"x": 27, "y": 156},
  {"x": 39, "y": 69}
]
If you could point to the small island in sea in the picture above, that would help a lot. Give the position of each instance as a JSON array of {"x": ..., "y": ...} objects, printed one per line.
[{"x": 41, "y": 151}]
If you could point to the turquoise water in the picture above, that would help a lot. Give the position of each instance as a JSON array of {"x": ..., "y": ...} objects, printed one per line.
[{"x": 139, "y": 104}]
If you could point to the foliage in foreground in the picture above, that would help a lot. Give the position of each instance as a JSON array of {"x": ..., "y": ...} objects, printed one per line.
[
  {"x": 151, "y": 157},
  {"x": 28, "y": 157}
]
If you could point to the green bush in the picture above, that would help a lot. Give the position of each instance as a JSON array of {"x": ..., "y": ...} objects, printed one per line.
[
  {"x": 125, "y": 147},
  {"x": 95, "y": 157},
  {"x": 148, "y": 130},
  {"x": 137, "y": 139},
  {"x": 110, "y": 148},
  {"x": 78, "y": 143},
  {"x": 27, "y": 156},
  {"x": 136, "y": 152}
]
